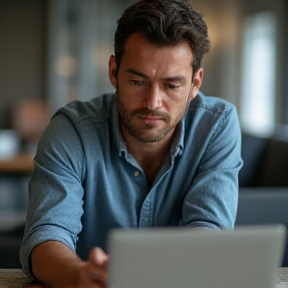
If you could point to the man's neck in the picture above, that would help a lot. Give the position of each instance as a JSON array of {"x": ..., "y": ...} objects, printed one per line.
[{"x": 149, "y": 155}]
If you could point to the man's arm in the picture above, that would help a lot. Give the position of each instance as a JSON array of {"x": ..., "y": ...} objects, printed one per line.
[
  {"x": 212, "y": 199},
  {"x": 55, "y": 194},
  {"x": 61, "y": 267}
]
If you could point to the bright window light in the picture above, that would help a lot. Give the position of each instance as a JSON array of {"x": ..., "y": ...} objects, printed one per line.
[{"x": 257, "y": 110}]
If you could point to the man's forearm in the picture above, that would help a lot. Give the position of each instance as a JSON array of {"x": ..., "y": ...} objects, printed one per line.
[{"x": 56, "y": 265}]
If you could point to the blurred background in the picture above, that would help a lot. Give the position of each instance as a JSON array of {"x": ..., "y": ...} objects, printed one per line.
[{"x": 53, "y": 52}]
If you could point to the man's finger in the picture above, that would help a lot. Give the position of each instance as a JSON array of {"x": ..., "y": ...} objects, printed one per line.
[{"x": 98, "y": 256}]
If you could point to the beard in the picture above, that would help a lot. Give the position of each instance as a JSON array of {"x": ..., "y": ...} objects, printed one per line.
[{"x": 148, "y": 133}]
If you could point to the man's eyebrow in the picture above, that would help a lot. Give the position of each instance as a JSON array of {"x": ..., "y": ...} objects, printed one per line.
[
  {"x": 135, "y": 72},
  {"x": 180, "y": 78},
  {"x": 176, "y": 78}
]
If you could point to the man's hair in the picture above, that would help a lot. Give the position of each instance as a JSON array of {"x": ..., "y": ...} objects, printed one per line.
[{"x": 164, "y": 22}]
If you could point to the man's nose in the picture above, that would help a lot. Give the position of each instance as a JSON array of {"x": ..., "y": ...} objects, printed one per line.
[{"x": 153, "y": 98}]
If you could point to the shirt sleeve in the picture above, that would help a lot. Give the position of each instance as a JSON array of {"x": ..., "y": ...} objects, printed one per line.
[
  {"x": 55, "y": 190},
  {"x": 212, "y": 199}
]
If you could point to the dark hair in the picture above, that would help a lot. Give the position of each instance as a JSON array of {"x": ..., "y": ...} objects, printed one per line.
[{"x": 164, "y": 22}]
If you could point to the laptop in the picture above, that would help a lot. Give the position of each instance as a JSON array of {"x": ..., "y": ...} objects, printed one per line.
[{"x": 247, "y": 257}]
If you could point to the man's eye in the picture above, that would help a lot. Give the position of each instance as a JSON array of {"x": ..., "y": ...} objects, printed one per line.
[
  {"x": 138, "y": 82},
  {"x": 173, "y": 86}
]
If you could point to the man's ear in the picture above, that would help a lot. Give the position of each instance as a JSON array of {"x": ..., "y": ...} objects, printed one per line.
[
  {"x": 197, "y": 81},
  {"x": 113, "y": 71}
]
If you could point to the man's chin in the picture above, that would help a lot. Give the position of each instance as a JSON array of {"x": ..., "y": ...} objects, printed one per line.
[{"x": 148, "y": 136}]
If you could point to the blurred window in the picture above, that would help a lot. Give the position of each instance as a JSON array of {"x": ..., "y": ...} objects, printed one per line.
[
  {"x": 257, "y": 112},
  {"x": 81, "y": 35}
]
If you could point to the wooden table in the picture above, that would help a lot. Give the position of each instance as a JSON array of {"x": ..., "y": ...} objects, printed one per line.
[
  {"x": 14, "y": 278},
  {"x": 22, "y": 163}
]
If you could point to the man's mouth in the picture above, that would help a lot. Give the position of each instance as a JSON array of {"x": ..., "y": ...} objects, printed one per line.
[
  {"x": 150, "y": 120},
  {"x": 151, "y": 117}
]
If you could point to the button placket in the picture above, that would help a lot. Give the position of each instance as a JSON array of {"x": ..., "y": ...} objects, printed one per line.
[{"x": 147, "y": 211}]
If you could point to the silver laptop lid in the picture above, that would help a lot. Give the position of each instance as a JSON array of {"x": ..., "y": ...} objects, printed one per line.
[{"x": 187, "y": 258}]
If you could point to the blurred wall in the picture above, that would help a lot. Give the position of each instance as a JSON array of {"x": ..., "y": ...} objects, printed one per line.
[
  {"x": 22, "y": 53},
  {"x": 25, "y": 49},
  {"x": 221, "y": 64}
]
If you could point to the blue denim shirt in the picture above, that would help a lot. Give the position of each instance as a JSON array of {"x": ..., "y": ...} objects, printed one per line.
[{"x": 86, "y": 182}]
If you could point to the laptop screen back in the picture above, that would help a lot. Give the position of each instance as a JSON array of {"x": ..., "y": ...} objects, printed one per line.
[{"x": 181, "y": 258}]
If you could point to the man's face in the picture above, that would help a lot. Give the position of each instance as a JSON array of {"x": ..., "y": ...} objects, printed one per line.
[{"x": 154, "y": 87}]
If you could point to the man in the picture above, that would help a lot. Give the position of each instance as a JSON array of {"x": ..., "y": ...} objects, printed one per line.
[{"x": 156, "y": 153}]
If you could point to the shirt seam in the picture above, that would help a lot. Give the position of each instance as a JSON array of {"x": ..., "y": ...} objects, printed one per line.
[{"x": 75, "y": 126}]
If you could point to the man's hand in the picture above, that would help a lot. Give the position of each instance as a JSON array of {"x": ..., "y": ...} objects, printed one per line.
[{"x": 93, "y": 273}]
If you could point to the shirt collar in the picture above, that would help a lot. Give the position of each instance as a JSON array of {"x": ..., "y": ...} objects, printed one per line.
[
  {"x": 122, "y": 149},
  {"x": 177, "y": 144}
]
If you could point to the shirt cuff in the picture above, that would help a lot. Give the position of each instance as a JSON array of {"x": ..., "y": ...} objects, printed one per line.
[{"x": 203, "y": 224}]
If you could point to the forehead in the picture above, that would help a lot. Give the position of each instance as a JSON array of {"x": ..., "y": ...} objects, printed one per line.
[{"x": 140, "y": 53}]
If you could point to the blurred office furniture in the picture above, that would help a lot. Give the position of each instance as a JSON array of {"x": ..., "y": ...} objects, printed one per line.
[
  {"x": 9, "y": 143},
  {"x": 265, "y": 160},
  {"x": 14, "y": 177},
  {"x": 267, "y": 205},
  {"x": 13, "y": 206},
  {"x": 10, "y": 242},
  {"x": 29, "y": 119},
  {"x": 21, "y": 163},
  {"x": 263, "y": 181}
]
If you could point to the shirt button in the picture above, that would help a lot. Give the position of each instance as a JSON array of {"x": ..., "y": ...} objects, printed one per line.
[{"x": 136, "y": 174}]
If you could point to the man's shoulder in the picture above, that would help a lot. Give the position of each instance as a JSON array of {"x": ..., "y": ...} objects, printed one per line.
[
  {"x": 97, "y": 109},
  {"x": 211, "y": 104}
]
